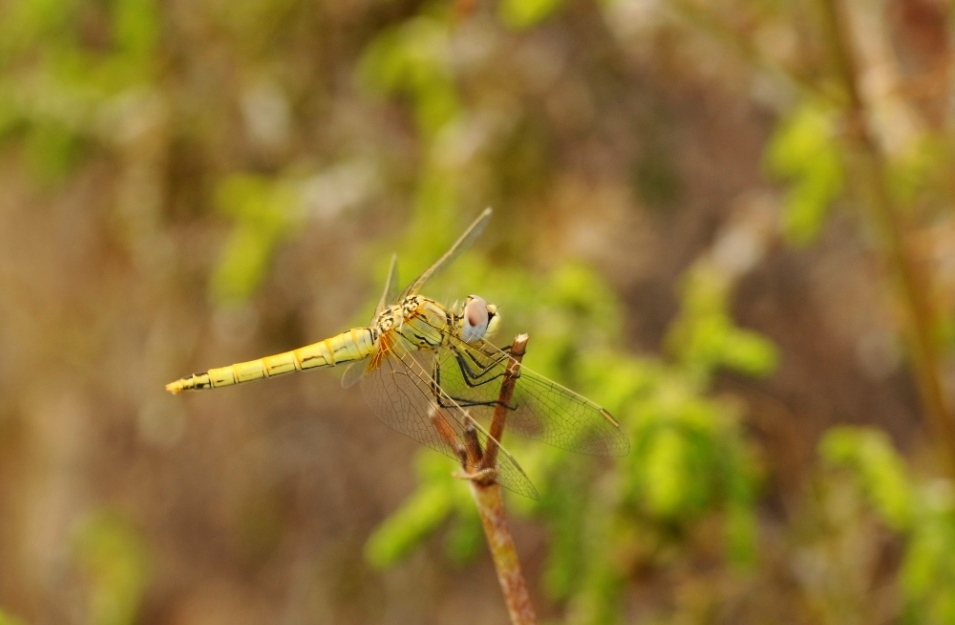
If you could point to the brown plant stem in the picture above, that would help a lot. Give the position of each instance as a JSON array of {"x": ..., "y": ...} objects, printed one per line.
[
  {"x": 872, "y": 176},
  {"x": 490, "y": 504},
  {"x": 499, "y": 418},
  {"x": 487, "y": 492}
]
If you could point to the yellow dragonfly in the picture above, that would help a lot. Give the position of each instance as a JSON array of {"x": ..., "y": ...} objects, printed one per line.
[{"x": 417, "y": 354}]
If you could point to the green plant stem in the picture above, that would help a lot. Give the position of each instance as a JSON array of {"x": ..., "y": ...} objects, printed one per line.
[{"x": 872, "y": 176}]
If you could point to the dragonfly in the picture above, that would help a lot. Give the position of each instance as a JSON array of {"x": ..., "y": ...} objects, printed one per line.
[{"x": 417, "y": 355}]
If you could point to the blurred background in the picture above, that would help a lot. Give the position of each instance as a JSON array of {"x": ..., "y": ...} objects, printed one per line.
[{"x": 731, "y": 225}]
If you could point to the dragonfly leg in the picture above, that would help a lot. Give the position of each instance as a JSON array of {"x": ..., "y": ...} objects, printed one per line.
[
  {"x": 476, "y": 369},
  {"x": 471, "y": 377},
  {"x": 484, "y": 477}
]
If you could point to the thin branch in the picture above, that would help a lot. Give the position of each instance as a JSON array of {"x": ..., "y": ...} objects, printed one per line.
[
  {"x": 498, "y": 420},
  {"x": 873, "y": 177},
  {"x": 487, "y": 492},
  {"x": 490, "y": 504}
]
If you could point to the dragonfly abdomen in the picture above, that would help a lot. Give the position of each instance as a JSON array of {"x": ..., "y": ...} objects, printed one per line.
[{"x": 345, "y": 347}]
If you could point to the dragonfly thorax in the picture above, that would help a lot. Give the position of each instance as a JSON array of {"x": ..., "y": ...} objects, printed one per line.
[
  {"x": 426, "y": 324},
  {"x": 420, "y": 322}
]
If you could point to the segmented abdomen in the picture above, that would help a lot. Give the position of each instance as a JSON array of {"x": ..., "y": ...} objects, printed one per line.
[{"x": 355, "y": 344}]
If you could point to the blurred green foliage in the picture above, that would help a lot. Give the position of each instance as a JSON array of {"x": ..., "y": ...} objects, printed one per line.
[
  {"x": 423, "y": 513},
  {"x": 805, "y": 153},
  {"x": 262, "y": 211},
  {"x": 877, "y": 468},
  {"x": 9, "y": 619},
  {"x": 692, "y": 460},
  {"x": 704, "y": 337},
  {"x": 521, "y": 14},
  {"x": 922, "y": 509},
  {"x": 920, "y": 170},
  {"x": 114, "y": 562},
  {"x": 692, "y": 489},
  {"x": 72, "y": 104},
  {"x": 411, "y": 60}
]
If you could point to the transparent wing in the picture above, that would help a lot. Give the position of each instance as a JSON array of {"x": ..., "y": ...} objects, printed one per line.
[
  {"x": 463, "y": 243},
  {"x": 354, "y": 371},
  {"x": 471, "y": 374},
  {"x": 399, "y": 391},
  {"x": 391, "y": 286}
]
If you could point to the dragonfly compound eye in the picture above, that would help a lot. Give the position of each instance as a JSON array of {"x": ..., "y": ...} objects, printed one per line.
[{"x": 475, "y": 319}]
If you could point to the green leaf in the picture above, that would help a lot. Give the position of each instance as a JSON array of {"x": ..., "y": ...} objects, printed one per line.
[
  {"x": 928, "y": 572},
  {"x": 465, "y": 540},
  {"x": 419, "y": 516},
  {"x": 869, "y": 454},
  {"x": 665, "y": 482},
  {"x": 749, "y": 353},
  {"x": 523, "y": 14},
  {"x": 8, "y": 619},
  {"x": 263, "y": 210},
  {"x": 112, "y": 556},
  {"x": 704, "y": 336},
  {"x": 804, "y": 152},
  {"x": 412, "y": 59},
  {"x": 136, "y": 25},
  {"x": 742, "y": 530}
]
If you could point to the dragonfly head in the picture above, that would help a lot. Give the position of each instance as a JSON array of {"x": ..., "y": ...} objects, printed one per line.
[{"x": 478, "y": 319}]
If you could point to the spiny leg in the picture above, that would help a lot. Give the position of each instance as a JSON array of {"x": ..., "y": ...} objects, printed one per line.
[{"x": 470, "y": 378}]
